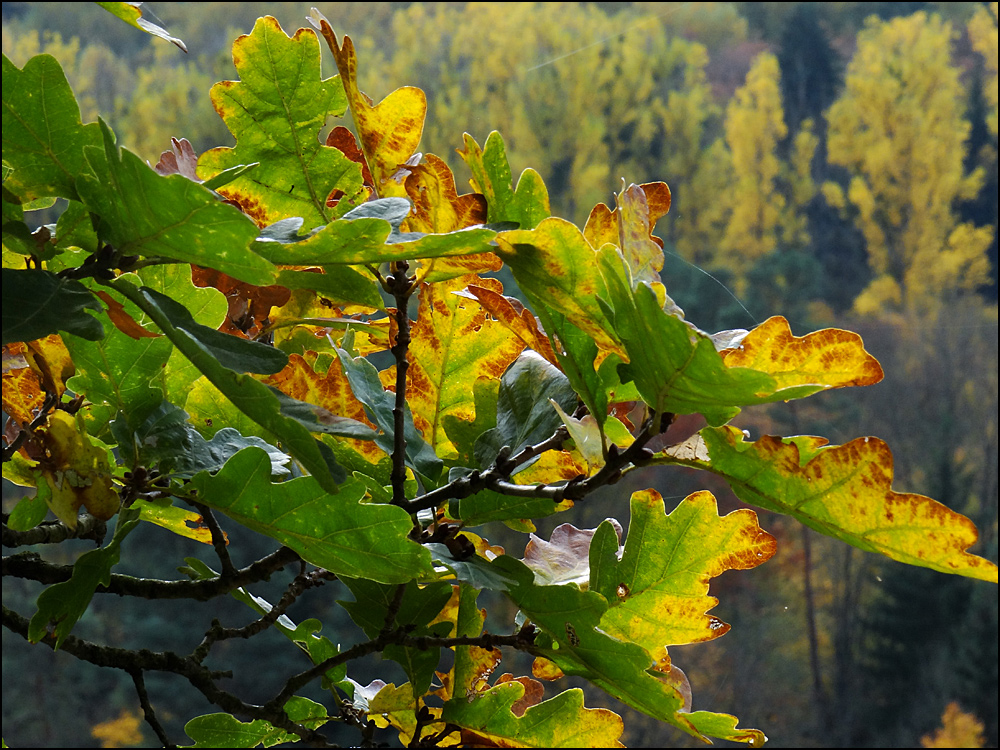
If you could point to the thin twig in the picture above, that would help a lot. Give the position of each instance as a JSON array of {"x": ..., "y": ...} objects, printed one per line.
[
  {"x": 219, "y": 541},
  {"x": 497, "y": 477},
  {"x": 147, "y": 708}
]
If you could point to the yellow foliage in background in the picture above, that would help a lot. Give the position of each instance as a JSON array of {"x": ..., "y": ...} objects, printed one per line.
[
  {"x": 123, "y": 731},
  {"x": 983, "y": 34},
  {"x": 899, "y": 129},
  {"x": 958, "y": 729}
]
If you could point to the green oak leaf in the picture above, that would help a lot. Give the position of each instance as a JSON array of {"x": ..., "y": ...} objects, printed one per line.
[
  {"x": 251, "y": 397},
  {"x": 169, "y": 216},
  {"x": 338, "y": 533},
  {"x": 675, "y": 368},
  {"x": 43, "y": 138},
  {"x": 658, "y": 591},
  {"x": 37, "y": 303},
  {"x": 64, "y": 603},
  {"x": 417, "y": 608},
  {"x": 528, "y": 204},
  {"x": 569, "y": 619},
  {"x": 276, "y": 112}
]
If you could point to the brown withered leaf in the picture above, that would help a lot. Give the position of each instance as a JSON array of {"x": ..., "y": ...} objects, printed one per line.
[
  {"x": 565, "y": 558},
  {"x": 249, "y": 306},
  {"x": 123, "y": 321},
  {"x": 180, "y": 159},
  {"x": 534, "y": 692}
]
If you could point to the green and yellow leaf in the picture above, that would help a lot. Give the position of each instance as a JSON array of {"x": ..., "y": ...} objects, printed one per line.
[{"x": 843, "y": 491}]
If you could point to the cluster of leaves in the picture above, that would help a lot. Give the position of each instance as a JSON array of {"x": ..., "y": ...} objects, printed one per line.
[{"x": 203, "y": 336}]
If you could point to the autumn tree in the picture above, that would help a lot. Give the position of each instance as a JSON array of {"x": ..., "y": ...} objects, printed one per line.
[
  {"x": 227, "y": 341},
  {"x": 899, "y": 130}
]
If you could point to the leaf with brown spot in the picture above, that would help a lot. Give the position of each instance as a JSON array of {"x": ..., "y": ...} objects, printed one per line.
[
  {"x": 22, "y": 385},
  {"x": 517, "y": 318},
  {"x": 843, "y": 491},
  {"x": 389, "y": 131},
  {"x": 249, "y": 305},
  {"x": 830, "y": 358},
  {"x": 344, "y": 141},
  {"x": 454, "y": 342},
  {"x": 557, "y": 268},
  {"x": 508, "y": 713},
  {"x": 276, "y": 112},
  {"x": 443, "y": 269},
  {"x": 437, "y": 206},
  {"x": 330, "y": 391},
  {"x": 630, "y": 228},
  {"x": 666, "y": 567}
]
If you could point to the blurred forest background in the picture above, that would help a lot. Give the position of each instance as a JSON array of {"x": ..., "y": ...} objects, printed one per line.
[{"x": 834, "y": 162}]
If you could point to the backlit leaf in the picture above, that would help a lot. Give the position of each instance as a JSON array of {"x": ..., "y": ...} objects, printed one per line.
[
  {"x": 830, "y": 358},
  {"x": 453, "y": 343},
  {"x": 489, "y": 714},
  {"x": 569, "y": 619},
  {"x": 276, "y": 111},
  {"x": 333, "y": 532},
  {"x": 629, "y": 228},
  {"x": 390, "y": 130},
  {"x": 43, "y": 138},
  {"x": 145, "y": 213},
  {"x": 528, "y": 204},
  {"x": 512, "y": 314},
  {"x": 658, "y": 590},
  {"x": 843, "y": 491},
  {"x": 131, "y": 14},
  {"x": 675, "y": 369},
  {"x": 557, "y": 268}
]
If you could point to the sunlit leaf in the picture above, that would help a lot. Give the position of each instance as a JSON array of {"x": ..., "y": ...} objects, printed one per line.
[
  {"x": 453, "y": 343},
  {"x": 557, "y": 268},
  {"x": 491, "y": 176},
  {"x": 629, "y": 227},
  {"x": 131, "y": 14},
  {"x": 489, "y": 714},
  {"x": 569, "y": 619},
  {"x": 658, "y": 590},
  {"x": 182, "y": 522},
  {"x": 145, "y": 213},
  {"x": 333, "y": 532},
  {"x": 43, "y": 138},
  {"x": 75, "y": 471},
  {"x": 565, "y": 557},
  {"x": 511, "y": 313},
  {"x": 843, "y": 491},
  {"x": 830, "y": 358},
  {"x": 276, "y": 111},
  {"x": 675, "y": 369},
  {"x": 390, "y": 130}
]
